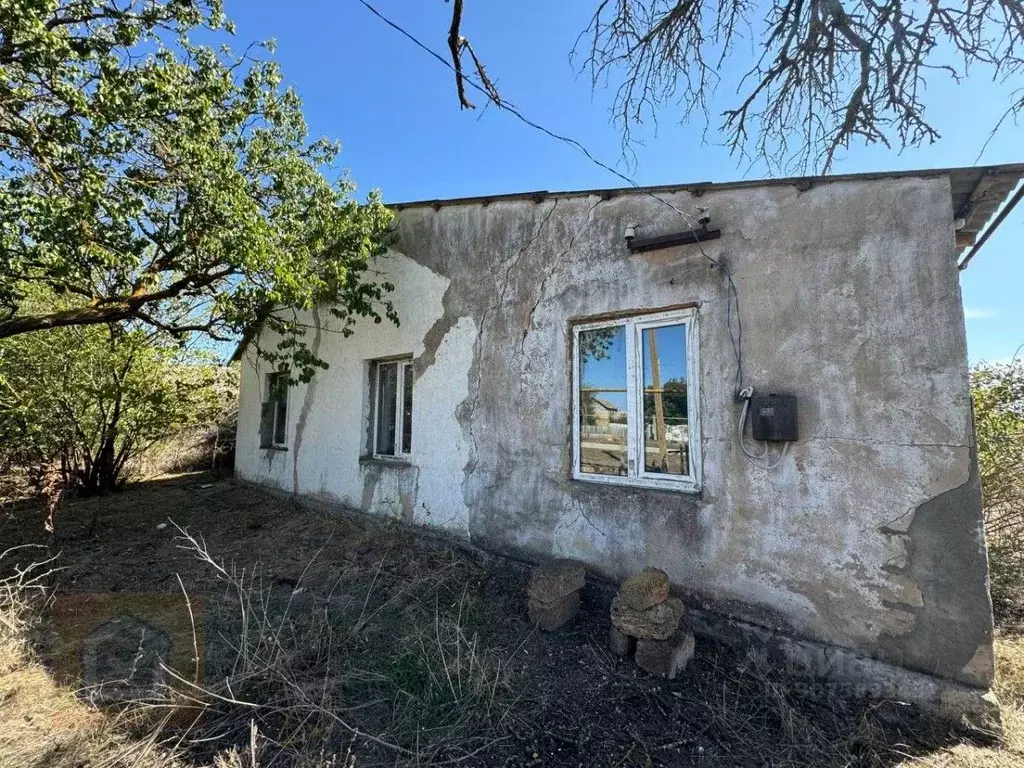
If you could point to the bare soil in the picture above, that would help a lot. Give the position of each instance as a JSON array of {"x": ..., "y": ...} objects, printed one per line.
[{"x": 558, "y": 699}]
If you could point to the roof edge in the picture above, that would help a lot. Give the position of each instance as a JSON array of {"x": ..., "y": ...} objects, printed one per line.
[{"x": 699, "y": 188}]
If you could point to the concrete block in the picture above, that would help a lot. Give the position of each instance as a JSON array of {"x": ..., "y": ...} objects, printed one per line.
[
  {"x": 556, "y": 579},
  {"x": 556, "y": 614},
  {"x": 645, "y": 589},
  {"x": 654, "y": 623},
  {"x": 973, "y": 708},
  {"x": 665, "y": 658}
]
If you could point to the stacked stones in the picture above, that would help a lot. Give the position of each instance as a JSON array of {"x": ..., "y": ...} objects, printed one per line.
[
  {"x": 554, "y": 593},
  {"x": 646, "y": 618}
]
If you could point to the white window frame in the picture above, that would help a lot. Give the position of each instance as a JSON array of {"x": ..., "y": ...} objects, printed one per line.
[
  {"x": 635, "y": 325},
  {"x": 379, "y": 365}
]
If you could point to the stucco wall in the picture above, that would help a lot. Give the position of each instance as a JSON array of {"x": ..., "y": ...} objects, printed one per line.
[{"x": 868, "y": 535}]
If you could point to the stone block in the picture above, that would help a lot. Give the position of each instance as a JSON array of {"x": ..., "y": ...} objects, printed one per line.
[
  {"x": 556, "y": 614},
  {"x": 665, "y": 658},
  {"x": 970, "y": 708},
  {"x": 654, "y": 623},
  {"x": 620, "y": 643},
  {"x": 556, "y": 579},
  {"x": 645, "y": 589}
]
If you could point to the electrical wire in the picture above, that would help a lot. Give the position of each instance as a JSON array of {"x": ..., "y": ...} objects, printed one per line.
[
  {"x": 736, "y": 338},
  {"x": 755, "y": 458},
  {"x": 742, "y": 433}
]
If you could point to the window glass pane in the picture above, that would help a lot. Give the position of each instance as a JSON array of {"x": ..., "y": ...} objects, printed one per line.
[
  {"x": 603, "y": 412},
  {"x": 281, "y": 419},
  {"x": 387, "y": 388},
  {"x": 277, "y": 396},
  {"x": 407, "y": 410},
  {"x": 666, "y": 431}
]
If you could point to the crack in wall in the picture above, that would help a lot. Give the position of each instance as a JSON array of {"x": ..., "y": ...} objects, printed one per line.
[
  {"x": 307, "y": 404},
  {"x": 550, "y": 271},
  {"x": 554, "y": 264},
  {"x": 515, "y": 262},
  {"x": 887, "y": 443},
  {"x": 478, "y": 342}
]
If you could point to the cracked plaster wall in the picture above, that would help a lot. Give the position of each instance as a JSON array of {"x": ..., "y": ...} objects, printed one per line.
[{"x": 867, "y": 536}]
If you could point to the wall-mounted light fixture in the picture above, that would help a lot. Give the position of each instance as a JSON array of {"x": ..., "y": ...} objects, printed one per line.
[{"x": 698, "y": 235}]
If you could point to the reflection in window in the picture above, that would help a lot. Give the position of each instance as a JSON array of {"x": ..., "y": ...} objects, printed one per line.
[
  {"x": 603, "y": 411},
  {"x": 274, "y": 411},
  {"x": 387, "y": 386},
  {"x": 666, "y": 431},
  {"x": 635, "y": 397},
  {"x": 392, "y": 432},
  {"x": 407, "y": 408}
]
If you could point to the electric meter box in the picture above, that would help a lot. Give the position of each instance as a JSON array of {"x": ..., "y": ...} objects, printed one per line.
[{"x": 773, "y": 417}]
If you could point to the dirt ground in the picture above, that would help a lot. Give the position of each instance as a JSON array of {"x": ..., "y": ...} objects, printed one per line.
[{"x": 421, "y": 653}]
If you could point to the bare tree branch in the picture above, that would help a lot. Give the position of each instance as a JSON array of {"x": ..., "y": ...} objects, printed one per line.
[{"x": 832, "y": 71}]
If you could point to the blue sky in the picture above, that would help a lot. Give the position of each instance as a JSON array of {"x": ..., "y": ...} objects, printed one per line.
[
  {"x": 609, "y": 370},
  {"x": 396, "y": 113}
]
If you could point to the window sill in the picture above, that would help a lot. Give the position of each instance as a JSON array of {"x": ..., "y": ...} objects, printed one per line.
[
  {"x": 643, "y": 483},
  {"x": 273, "y": 447},
  {"x": 387, "y": 461}
]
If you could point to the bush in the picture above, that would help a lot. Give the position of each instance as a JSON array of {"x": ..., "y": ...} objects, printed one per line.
[
  {"x": 998, "y": 395},
  {"x": 86, "y": 402}
]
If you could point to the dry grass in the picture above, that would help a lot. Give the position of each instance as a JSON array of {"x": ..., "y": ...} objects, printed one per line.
[
  {"x": 379, "y": 654},
  {"x": 44, "y": 724},
  {"x": 1010, "y": 690}
]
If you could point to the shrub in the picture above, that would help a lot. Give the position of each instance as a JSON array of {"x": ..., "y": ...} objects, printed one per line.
[
  {"x": 86, "y": 402},
  {"x": 998, "y": 395}
]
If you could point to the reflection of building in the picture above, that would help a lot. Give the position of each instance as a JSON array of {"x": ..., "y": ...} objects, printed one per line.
[
  {"x": 866, "y": 539},
  {"x": 604, "y": 413}
]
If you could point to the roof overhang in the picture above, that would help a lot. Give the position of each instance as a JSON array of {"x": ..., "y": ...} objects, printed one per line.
[{"x": 977, "y": 193}]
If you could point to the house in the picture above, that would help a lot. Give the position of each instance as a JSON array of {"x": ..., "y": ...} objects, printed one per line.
[{"x": 851, "y": 543}]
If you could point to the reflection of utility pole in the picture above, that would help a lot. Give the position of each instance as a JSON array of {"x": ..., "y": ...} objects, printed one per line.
[{"x": 659, "y": 405}]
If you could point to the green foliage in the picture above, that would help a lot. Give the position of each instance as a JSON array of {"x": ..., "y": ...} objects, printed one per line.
[
  {"x": 673, "y": 401},
  {"x": 149, "y": 179},
  {"x": 90, "y": 399},
  {"x": 998, "y": 394}
]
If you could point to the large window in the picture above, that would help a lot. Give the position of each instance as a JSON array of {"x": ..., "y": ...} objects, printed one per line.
[
  {"x": 392, "y": 429},
  {"x": 274, "y": 412},
  {"x": 636, "y": 401}
]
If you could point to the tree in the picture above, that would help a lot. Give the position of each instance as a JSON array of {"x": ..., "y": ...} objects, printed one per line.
[
  {"x": 154, "y": 182},
  {"x": 85, "y": 401},
  {"x": 820, "y": 73},
  {"x": 673, "y": 401},
  {"x": 998, "y": 394}
]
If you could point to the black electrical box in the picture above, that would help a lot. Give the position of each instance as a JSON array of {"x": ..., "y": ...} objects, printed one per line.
[{"x": 773, "y": 417}]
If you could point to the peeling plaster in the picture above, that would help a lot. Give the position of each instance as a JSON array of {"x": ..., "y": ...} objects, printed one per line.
[
  {"x": 307, "y": 404},
  {"x": 849, "y": 300}
]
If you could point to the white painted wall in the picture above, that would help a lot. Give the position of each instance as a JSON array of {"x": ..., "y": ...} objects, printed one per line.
[
  {"x": 328, "y": 418},
  {"x": 850, "y": 300}
]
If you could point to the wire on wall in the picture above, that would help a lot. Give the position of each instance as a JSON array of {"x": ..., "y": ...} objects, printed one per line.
[{"x": 735, "y": 335}]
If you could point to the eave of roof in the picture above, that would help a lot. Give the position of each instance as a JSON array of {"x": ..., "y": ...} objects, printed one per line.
[{"x": 977, "y": 191}]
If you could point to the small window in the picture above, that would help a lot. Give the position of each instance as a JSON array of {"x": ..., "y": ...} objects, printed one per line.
[
  {"x": 392, "y": 432},
  {"x": 274, "y": 413},
  {"x": 635, "y": 401}
]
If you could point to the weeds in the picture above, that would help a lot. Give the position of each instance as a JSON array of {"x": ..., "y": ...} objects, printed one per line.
[
  {"x": 379, "y": 654},
  {"x": 368, "y": 671}
]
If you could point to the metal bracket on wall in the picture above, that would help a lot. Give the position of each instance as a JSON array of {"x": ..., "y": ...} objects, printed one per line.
[{"x": 641, "y": 244}]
